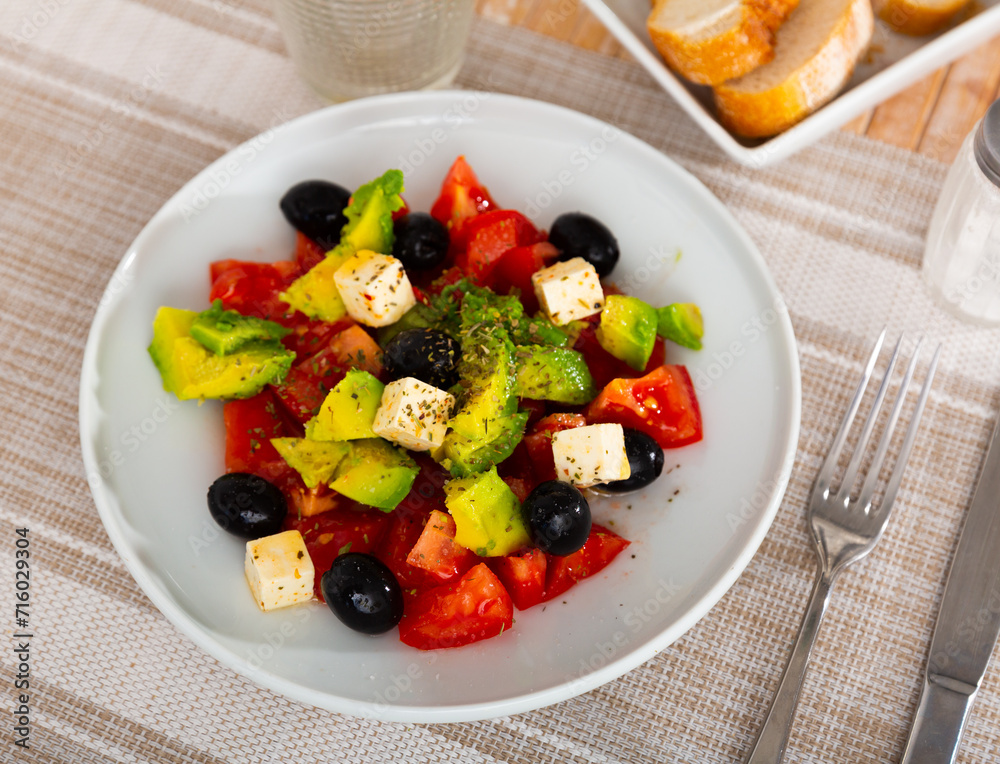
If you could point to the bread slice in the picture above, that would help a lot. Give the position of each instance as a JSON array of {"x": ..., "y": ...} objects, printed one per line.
[
  {"x": 711, "y": 41},
  {"x": 918, "y": 17},
  {"x": 815, "y": 54}
]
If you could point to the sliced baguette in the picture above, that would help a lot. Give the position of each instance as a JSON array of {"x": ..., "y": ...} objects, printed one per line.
[
  {"x": 711, "y": 41},
  {"x": 815, "y": 54},
  {"x": 918, "y": 17}
]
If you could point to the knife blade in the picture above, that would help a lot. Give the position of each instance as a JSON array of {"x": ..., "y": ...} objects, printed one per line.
[{"x": 967, "y": 628}]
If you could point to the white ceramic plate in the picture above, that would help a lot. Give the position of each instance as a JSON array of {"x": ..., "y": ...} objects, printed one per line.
[
  {"x": 893, "y": 62},
  {"x": 150, "y": 459}
]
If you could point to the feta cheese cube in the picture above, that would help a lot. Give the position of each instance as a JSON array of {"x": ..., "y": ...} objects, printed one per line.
[
  {"x": 586, "y": 456},
  {"x": 279, "y": 570},
  {"x": 375, "y": 288},
  {"x": 413, "y": 414},
  {"x": 568, "y": 291}
]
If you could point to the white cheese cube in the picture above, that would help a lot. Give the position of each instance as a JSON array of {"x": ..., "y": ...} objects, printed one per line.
[
  {"x": 568, "y": 291},
  {"x": 375, "y": 288},
  {"x": 279, "y": 570},
  {"x": 586, "y": 456},
  {"x": 413, "y": 414}
]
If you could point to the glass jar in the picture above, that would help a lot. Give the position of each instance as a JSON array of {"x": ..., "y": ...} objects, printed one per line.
[
  {"x": 352, "y": 48},
  {"x": 962, "y": 255}
]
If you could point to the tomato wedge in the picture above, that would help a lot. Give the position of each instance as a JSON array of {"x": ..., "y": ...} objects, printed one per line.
[
  {"x": 523, "y": 576},
  {"x": 307, "y": 252},
  {"x": 250, "y": 425},
  {"x": 661, "y": 404},
  {"x": 514, "y": 268},
  {"x": 476, "y": 607},
  {"x": 462, "y": 197},
  {"x": 562, "y": 573},
  {"x": 437, "y": 552},
  {"x": 488, "y": 237},
  {"x": 252, "y": 288}
]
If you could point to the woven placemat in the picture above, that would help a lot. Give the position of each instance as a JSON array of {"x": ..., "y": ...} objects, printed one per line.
[{"x": 106, "y": 110}]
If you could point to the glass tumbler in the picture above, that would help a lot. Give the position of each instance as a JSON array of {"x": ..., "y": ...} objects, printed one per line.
[
  {"x": 962, "y": 254},
  {"x": 353, "y": 48}
]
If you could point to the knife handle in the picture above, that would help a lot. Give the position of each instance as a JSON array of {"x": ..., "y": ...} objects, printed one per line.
[{"x": 939, "y": 722}]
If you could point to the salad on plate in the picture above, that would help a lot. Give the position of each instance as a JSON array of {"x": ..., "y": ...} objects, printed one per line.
[{"x": 419, "y": 407}]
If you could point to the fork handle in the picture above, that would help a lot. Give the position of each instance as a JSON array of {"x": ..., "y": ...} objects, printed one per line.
[{"x": 772, "y": 740}]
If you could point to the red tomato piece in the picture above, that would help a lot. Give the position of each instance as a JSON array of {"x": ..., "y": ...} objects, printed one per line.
[
  {"x": 252, "y": 288},
  {"x": 336, "y": 532},
  {"x": 307, "y": 252},
  {"x": 437, "y": 552},
  {"x": 539, "y": 442},
  {"x": 604, "y": 367},
  {"x": 488, "y": 237},
  {"x": 462, "y": 196},
  {"x": 355, "y": 349},
  {"x": 250, "y": 425},
  {"x": 515, "y": 266},
  {"x": 305, "y": 386},
  {"x": 476, "y": 607},
  {"x": 307, "y": 502},
  {"x": 662, "y": 404},
  {"x": 523, "y": 576},
  {"x": 562, "y": 573}
]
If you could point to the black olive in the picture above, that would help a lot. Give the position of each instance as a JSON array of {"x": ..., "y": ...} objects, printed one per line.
[
  {"x": 247, "y": 505},
  {"x": 316, "y": 208},
  {"x": 363, "y": 593},
  {"x": 427, "y": 354},
  {"x": 576, "y": 234},
  {"x": 421, "y": 242},
  {"x": 645, "y": 458},
  {"x": 558, "y": 516}
]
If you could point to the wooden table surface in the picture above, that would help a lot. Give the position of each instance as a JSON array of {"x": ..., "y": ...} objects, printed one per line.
[{"x": 930, "y": 117}]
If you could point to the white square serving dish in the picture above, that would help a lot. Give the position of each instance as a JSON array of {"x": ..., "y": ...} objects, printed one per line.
[{"x": 893, "y": 62}]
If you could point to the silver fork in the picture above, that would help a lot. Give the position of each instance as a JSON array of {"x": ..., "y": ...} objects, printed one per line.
[{"x": 843, "y": 530}]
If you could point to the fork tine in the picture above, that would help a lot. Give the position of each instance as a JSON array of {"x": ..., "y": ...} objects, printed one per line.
[
  {"x": 851, "y": 474},
  {"x": 830, "y": 464},
  {"x": 911, "y": 434}
]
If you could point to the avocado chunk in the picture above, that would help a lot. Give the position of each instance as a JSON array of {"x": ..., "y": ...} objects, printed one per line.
[
  {"x": 314, "y": 460},
  {"x": 486, "y": 374},
  {"x": 375, "y": 473},
  {"x": 487, "y": 514},
  {"x": 226, "y": 331},
  {"x": 464, "y": 456},
  {"x": 553, "y": 374},
  {"x": 369, "y": 226},
  {"x": 628, "y": 330},
  {"x": 315, "y": 293},
  {"x": 681, "y": 323},
  {"x": 349, "y": 409},
  {"x": 192, "y": 371}
]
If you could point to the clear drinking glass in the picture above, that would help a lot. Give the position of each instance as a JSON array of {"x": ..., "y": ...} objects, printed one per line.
[
  {"x": 352, "y": 48},
  {"x": 962, "y": 254}
]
